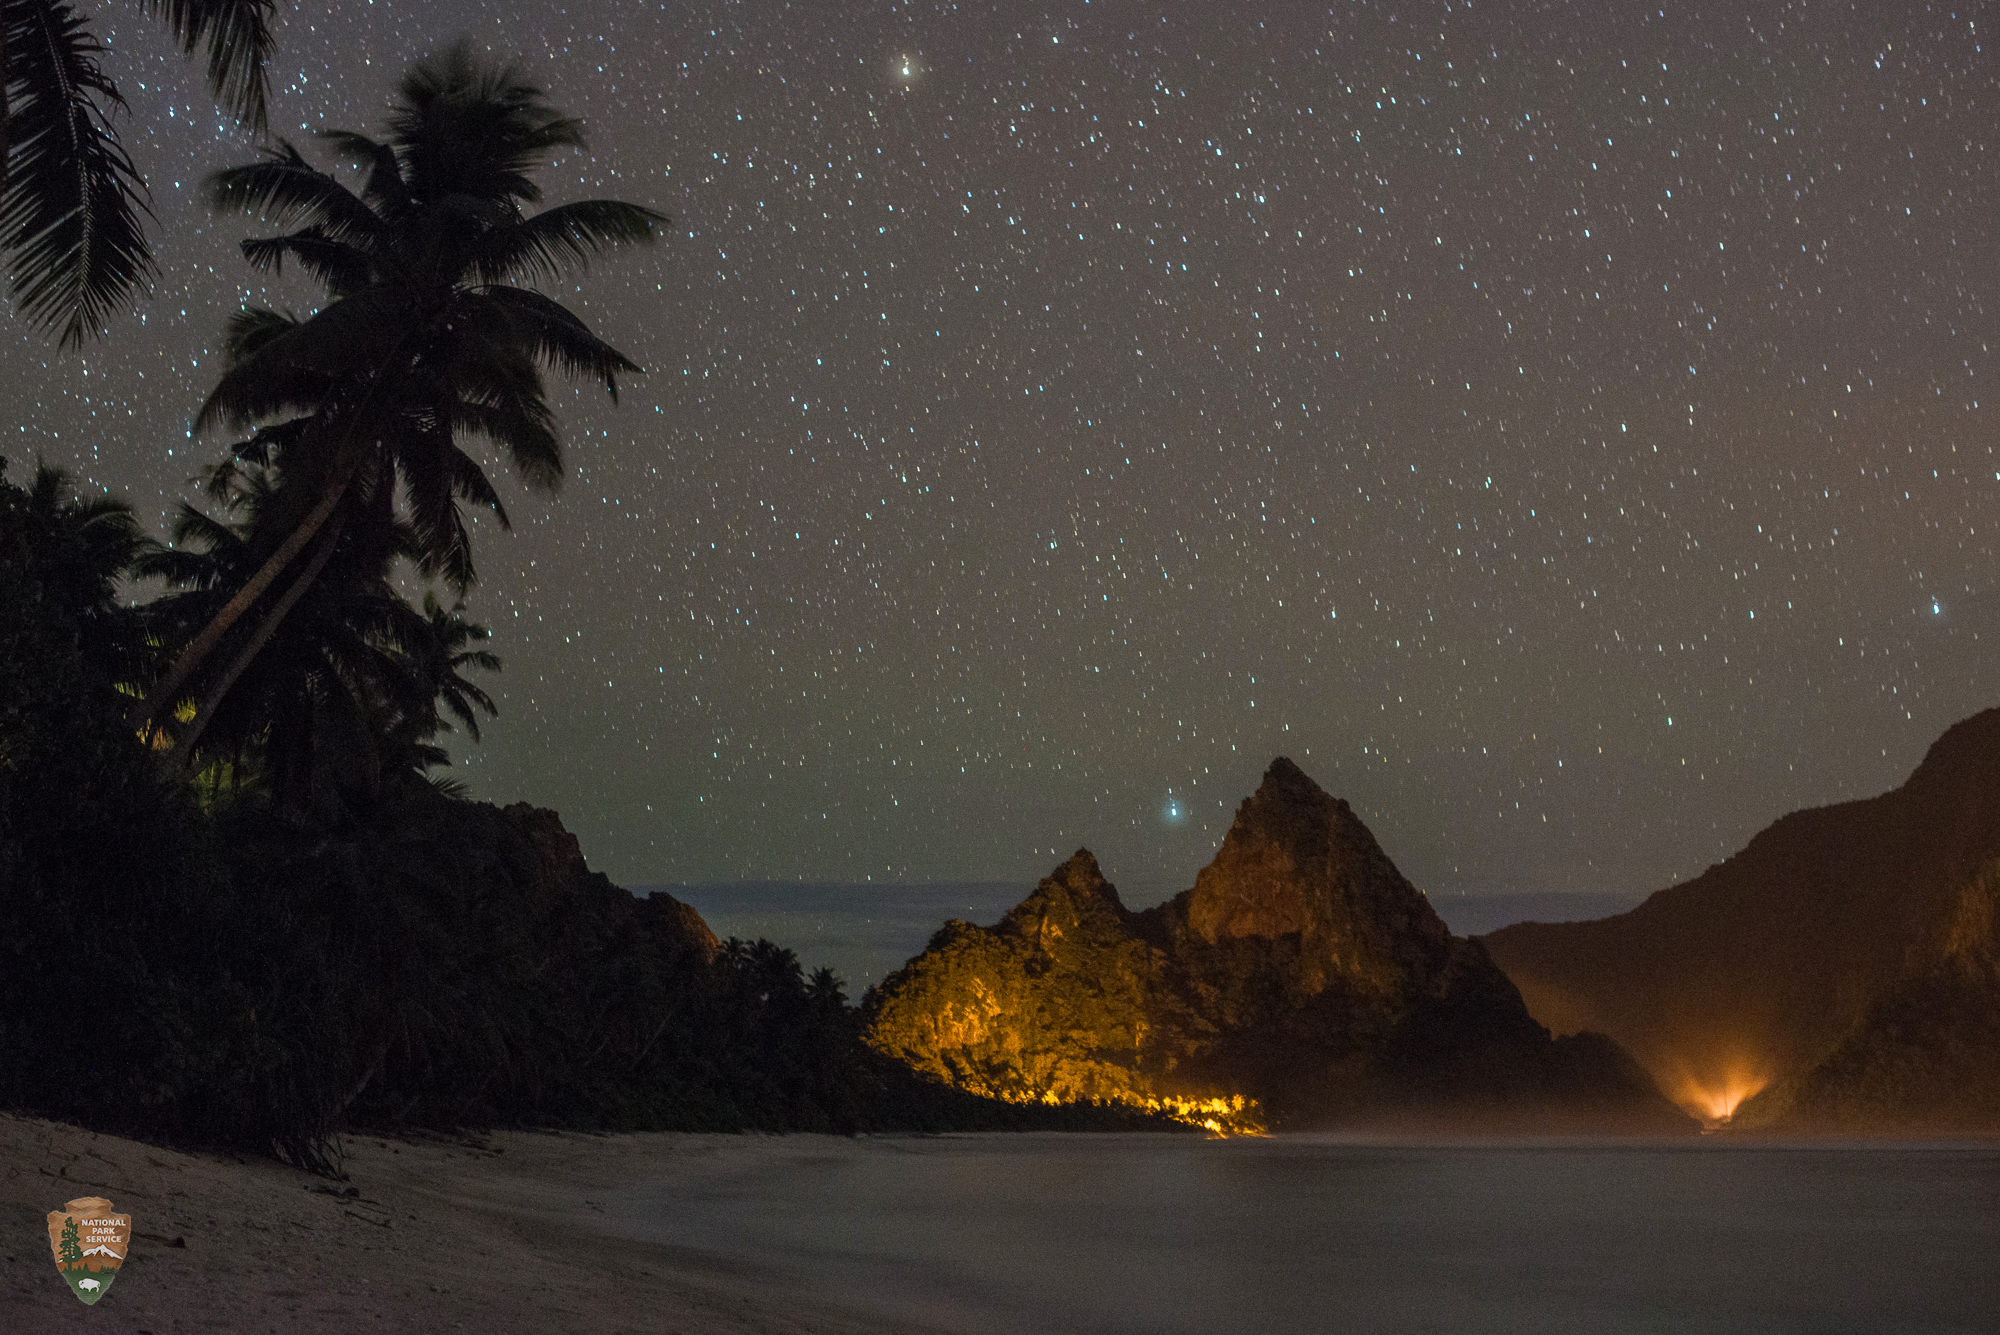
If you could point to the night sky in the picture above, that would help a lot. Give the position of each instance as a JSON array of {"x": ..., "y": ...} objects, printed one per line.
[{"x": 1561, "y": 428}]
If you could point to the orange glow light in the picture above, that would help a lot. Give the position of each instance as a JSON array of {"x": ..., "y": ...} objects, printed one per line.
[{"x": 1714, "y": 1093}]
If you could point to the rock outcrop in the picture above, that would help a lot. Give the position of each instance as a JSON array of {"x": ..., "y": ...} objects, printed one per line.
[
  {"x": 1844, "y": 961},
  {"x": 1301, "y": 981},
  {"x": 557, "y": 875}
]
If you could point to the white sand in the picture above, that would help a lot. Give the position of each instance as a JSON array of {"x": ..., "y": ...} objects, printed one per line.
[
  {"x": 500, "y": 1237},
  {"x": 1018, "y": 1235}
]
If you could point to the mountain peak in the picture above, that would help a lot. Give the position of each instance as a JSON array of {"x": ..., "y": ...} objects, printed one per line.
[
  {"x": 1075, "y": 896},
  {"x": 1080, "y": 872},
  {"x": 1283, "y": 773},
  {"x": 1298, "y": 860}
]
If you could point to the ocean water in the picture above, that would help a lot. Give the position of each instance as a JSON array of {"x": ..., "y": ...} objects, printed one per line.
[
  {"x": 1168, "y": 1234},
  {"x": 864, "y": 932}
]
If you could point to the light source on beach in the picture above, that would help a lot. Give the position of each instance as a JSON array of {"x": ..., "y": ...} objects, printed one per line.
[{"x": 1715, "y": 1095}]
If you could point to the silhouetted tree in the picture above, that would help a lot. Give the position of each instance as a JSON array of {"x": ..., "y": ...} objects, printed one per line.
[
  {"x": 425, "y": 340},
  {"x": 350, "y": 691},
  {"x": 70, "y": 198}
]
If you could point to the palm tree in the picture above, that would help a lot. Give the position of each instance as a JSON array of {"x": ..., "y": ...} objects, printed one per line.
[
  {"x": 357, "y": 686},
  {"x": 425, "y": 341},
  {"x": 437, "y": 663},
  {"x": 71, "y": 200},
  {"x": 81, "y": 548},
  {"x": 446, "y": 655}
]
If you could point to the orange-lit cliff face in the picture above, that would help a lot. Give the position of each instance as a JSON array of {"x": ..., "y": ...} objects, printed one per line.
[
  {"x": 1762, "y": 970},
  {"x": 1302, "y": 978}
]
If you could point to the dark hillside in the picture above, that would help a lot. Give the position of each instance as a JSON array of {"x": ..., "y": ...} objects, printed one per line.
[{"x": 1767, "y": 965}]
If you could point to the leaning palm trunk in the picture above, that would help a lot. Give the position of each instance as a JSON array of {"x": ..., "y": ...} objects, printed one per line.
[
  {"x": 272, "y": 620},
  {"x": 347, "y": 461},
  {"x": 162, "y": 696}
]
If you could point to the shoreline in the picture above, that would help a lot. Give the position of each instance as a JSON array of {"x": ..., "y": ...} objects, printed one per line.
[
  {"x": 508, "y": 1232},
  {"x": 502, "y": 1234}
]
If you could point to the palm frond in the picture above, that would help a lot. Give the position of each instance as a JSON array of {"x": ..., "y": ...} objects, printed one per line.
[
  {"x": 443, "y": 784},
  {"x": 428, "y": 491},
  {"x": 70, "y": 221},
  {"x": 247, "y": 331},
  {"x": 194, "y": 528},
  {"x": 566, "y": 236},
  {"x": 385, "y": 189},
  {"x": 180, "y": 568},
  {"x": 103, "y": 536},
  {"x": 525, "y": 430},
  {"x": 260, "y": 390},
  {"x": 267, "y": 444},
  {"x": 284, "y": 187},
  {"x": 447, "y": 632},
  {"x": 303, "y": 368},
  {"x": 47, "y": 490},
  {"x": 470, "y": 483},
  {"x": 240, "y": 40},
  {"x": 351, "y": 145},
  {"x": 337, "y": 266},
  {"x": 222, "y": 479},
  {"x": 554, "y": 335}
]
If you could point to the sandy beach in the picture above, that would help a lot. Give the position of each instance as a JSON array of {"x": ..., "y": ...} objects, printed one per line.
[
  {"x": 1027, "y": 1234},
  {"x": 500, "y": 1235}
]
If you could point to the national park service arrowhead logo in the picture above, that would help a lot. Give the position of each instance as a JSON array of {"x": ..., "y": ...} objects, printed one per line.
[{"x": 90, "y": 1244}]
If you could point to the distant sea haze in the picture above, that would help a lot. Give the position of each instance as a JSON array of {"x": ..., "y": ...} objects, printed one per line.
[{"x": 865, "y": 931}]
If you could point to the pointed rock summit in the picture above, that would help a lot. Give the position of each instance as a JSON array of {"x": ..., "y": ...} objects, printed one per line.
[
  {"x": 1302, "y": 980},
  {"x": 1297, "y": 861}
]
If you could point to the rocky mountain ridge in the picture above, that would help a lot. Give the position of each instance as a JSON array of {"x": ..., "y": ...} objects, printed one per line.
[{"x": 1302, "y": 980}]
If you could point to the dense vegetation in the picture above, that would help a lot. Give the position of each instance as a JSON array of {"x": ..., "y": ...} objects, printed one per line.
[
  {"x": 237, "y": 903},
  {"x": 188, "y": 958}
]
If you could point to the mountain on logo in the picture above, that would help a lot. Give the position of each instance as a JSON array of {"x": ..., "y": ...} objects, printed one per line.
[{"x": 102, "y": 1251}]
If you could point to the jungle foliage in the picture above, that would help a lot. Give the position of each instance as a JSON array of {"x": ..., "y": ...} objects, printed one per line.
[{"x": 197, "y": 960}]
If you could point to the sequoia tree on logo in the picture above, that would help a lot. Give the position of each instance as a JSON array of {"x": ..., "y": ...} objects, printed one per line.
[{"x": 89, "y": 1243}]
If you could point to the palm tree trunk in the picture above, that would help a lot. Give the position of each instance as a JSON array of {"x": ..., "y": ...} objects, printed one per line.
[
  {"x": 192, "y": 657},
  {"x": 161, "y": 697},
  {"x": 213, "y": 700}
]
